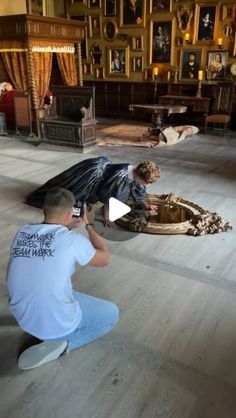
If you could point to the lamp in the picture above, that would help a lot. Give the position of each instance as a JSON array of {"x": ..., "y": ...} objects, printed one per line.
[{"x": 219, "y": 43}]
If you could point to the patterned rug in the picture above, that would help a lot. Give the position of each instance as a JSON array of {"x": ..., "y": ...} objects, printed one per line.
[{"x": 132, "y": 135}]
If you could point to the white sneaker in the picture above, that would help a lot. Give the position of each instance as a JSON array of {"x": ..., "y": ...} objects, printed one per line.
[{"x": 42, "y": 353}]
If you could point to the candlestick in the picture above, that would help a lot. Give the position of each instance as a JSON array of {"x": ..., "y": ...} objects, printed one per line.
[
  {"x": 155, "y": 71},
  {"x": 219, "y": 42},
  {"x": 199, "y": 88},
  {"x": 200, "y": 75},
  {"x": 186, "y": 36}
]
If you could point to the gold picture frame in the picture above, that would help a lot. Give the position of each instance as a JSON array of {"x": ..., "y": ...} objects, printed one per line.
[
  {"x": 189, "y": 72},
  {"x": 148, "y": 74},
  {"x": 118, "y": 61},
  {"x": 87, "y": 69},
  {"x": 110, "y": 30},
  {"x": 228, "y": 11},
  {"x": 157, "y": 6},
  {"x": 100, "y": 73},
  {"x": 184, "y": 17},
  {"x": 37, "y": 7},
  {"x": 162, "y": 40},
  {"x": 137, "y": 43},
  {"x": 137, "y": 64},
  {"x": 131, "y": 17},
  {"x": 95, "y": 27},
  {"x": 205, "y": 23}
]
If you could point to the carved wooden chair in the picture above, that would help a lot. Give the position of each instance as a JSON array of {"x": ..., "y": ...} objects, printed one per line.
[{"x": 220, "y": 119}]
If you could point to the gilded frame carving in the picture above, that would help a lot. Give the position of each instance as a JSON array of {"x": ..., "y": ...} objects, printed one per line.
[
  {"x": 133, "y": 19},
  {"x": 205, "y": 29},
  {"x": 184, "y": 17},
  {"x": 118, "y": 61},
  {"x": 157, "y": 6},
  {"x": 110, "y": 30},
  {"x": 161, "y": 40}
]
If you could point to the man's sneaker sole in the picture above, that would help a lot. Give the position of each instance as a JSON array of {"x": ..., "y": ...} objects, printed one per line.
[{"x": 39, "y": 354}]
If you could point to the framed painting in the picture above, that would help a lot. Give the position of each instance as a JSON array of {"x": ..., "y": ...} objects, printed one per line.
[
  {"x": 184, "y": 16},
  {"x": 160, "y": 5},
  {"x": 161, "y": 39},
  {"x": 137, "y": 43},
  {"x": 190, "y": 64},
  {"x": 217, "y": 63},
  {"x": 95, "y": 26},
  {"x": 87, "y": 69},
  {"x": 100, "y": 73},
  {"x": 206, "y": 19},
  {"x": 148, "y": 74},
  {"x": 36, "y": 7},
  {"x": 137, "y": 64},
  {"x": 110, "y": 30},
  {"x": 118, "y": 61},
  {"x": 110, "y": 7},
  {"x": 132, "y": 13},
  {"x": 94, "y": 3},
  {"x": 228, "y": 11}
]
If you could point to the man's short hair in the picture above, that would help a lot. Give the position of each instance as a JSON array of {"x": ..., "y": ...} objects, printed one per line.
[{"x": 58, "y": 201}]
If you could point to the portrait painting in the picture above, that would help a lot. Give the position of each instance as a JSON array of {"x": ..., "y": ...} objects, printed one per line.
[
  {"x": 137, "y": 43},
  {"x": 118, "y": 60},
  {"x": 110, "y": 8},
  {"x": 95, "y": 26},
  {"x": 137, "y": 64},
  {"x": 228, "y": 11},
  {"x": 190, "y": 64},
  {"x": 160, "y": 5},
  {"x": 205, "y": 23},
  {"x": 161, "y": 33},
  {"x": 217, "y": 63},
  {"x": 38, "y": 7},
  {"x": 132, "y": 12},
  {"x": 110, "y": 30}
]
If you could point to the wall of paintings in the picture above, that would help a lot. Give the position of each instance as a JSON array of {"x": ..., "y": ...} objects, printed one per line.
[{"x": 146, "y": 39}]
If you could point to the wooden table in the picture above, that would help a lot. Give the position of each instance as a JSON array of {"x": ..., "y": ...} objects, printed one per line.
[
  {"x": 197, "y": 104},
  {"x": 158, "y": 113}
]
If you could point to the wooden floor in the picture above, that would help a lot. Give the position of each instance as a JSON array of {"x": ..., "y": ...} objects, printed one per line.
[{"x": 173, "y": 353}]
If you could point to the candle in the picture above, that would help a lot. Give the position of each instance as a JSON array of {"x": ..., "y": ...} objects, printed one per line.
[
  {"x": 219, "y": 41},
  {"x": 186, "y": 36},
  {"x": 200, "y": 75},
  {"x": 155, "y": 70}
]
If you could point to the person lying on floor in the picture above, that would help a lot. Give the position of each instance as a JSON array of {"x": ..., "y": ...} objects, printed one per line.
[
  {"x": 97, "y": 179},
  {"x": 42, "y": 260}
]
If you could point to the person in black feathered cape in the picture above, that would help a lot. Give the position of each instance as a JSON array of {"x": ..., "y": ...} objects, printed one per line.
[{"x": 98, "y": 179}]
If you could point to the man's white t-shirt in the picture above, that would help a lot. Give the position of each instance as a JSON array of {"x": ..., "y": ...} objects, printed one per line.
[{"x": 43, "y": 259}]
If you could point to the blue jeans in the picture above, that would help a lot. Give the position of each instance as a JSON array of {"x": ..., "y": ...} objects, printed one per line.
[{"x": 98, "y": 318}]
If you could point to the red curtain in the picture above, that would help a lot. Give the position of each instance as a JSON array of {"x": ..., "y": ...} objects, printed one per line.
[{"x": 15, "y": 63}]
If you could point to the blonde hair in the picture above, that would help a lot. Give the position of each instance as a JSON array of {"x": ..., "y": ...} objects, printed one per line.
[{"x": 148, "y": 171}]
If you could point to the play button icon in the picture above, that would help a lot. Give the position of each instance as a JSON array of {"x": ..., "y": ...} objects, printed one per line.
[{"x": 117, "y": 209}]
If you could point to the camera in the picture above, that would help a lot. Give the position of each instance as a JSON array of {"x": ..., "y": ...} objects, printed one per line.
[{"x": 78, "y": 210}]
